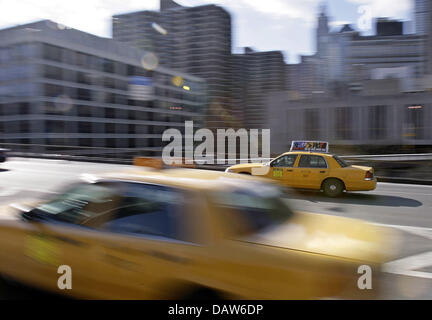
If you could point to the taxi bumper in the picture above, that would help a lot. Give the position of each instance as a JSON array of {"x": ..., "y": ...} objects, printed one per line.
[{"x": 362, "y": 185}]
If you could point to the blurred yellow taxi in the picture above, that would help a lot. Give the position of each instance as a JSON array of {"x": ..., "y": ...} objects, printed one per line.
[
  {"x": 183, "y": 233},
  {"x": 320, "y": 170}
]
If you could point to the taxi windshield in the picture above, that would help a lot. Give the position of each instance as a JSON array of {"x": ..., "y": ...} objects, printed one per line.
[
  {"x": 68, "y": 207},
  {"x": 252, "y": 210}
]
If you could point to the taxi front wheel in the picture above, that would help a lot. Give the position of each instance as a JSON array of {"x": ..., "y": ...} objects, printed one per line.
[{"x": 333, "y": 187}]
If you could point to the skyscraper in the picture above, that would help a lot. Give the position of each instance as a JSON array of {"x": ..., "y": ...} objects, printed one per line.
[
  {"x": 66, "y": 91},
  {"x": 428, "y": 26},
  {"x": 196, "y": 40},
  {"x": 322, "y": 30},
  {"x": 255, "y": 76},
  {"x": 422, "y": 16}
]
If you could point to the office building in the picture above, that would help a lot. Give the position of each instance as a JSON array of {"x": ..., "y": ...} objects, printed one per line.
[
  {"x": 351, "y": 121},
  {"x": 194, "y": 40},
  {"x": 256, "y": 75},
  {"x": 344, "y": 57},
  {"x": 66, "y": 91},
  {"x": 422, "y": 16}
]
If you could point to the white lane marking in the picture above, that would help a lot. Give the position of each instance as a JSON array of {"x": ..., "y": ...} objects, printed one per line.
[
  {"x": 419, "y": 231},
  {"x": 408, "y": 266},
  {"x": 404, "y": 185},
  {"x": 383, "y": 193}
]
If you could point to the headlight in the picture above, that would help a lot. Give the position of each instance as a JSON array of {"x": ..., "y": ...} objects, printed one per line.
[{"x": 229, "y": 170}]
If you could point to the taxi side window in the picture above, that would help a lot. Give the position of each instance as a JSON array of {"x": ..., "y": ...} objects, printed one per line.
[
  {"x": 150, "y": 210},
  {"x": 312, "y": 161},
  {"x": 285, "y": 161}
]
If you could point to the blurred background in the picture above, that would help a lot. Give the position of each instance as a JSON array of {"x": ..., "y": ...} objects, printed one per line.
[
  {"x": 100, "y": 81},
  {"x": 363, "y": 85}
]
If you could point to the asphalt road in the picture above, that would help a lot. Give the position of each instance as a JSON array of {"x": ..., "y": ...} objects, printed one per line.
[{"x": 406, "y": 210}]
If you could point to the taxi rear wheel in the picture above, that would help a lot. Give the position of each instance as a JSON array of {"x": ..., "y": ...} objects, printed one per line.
[{"x": 333, "y": 187}]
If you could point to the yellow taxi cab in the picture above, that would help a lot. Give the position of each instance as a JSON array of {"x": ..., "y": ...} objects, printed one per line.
[
  {"x": 308, "y": 165},
  {"x": 184, "y": 233}
]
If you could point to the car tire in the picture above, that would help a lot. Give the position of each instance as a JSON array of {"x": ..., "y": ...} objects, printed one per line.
[
  {"x": 333, "y": 188},
  {"x": 246, "y": 173}
]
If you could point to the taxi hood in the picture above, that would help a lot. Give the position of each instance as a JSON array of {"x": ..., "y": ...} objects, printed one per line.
[{"x": 332, "y": 236}]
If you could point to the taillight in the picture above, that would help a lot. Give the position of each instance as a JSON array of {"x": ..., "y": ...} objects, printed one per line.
[{"x": 369, "y": 175}]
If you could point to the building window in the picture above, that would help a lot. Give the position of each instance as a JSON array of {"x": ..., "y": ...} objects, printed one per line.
[
  {"x": 108, "y": 66},
  {"x": 84, "y": 60},
  {"x": 24, "y": 108},
  {"x": 53, "y": 73},
  {"x": 343, "y": 123},
  {"x": 55, "y": 126},
  {"x": 24, "y": 126},
  {"x": 312, "y": 124},
  {"x": 109, "y": 83},
  {"x": 85, "y": 127},
  {"x": 86, "y": 142},
  {"x": 414, "y": 127},
  {"x": 84, "y": 94},
  {"x": 84, "y": 78},
  {"x": 52, "y": 53},
  {"x": 84, "y": 111},
  {"x": 377, "y": 122},
  {"x": 52, "y": 90},
  {"x": 110, "y": 113},
  {"x": 110, "y": 128}
]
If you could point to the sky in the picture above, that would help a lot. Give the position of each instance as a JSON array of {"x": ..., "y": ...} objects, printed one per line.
[{"x": 286, "y": 25}]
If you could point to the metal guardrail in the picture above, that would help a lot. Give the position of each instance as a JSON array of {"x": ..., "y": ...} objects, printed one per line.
[
  {"x": 395, "y": 168},
  {"x": 69, "y": 156},
  {"x": 392, "y": 157}
]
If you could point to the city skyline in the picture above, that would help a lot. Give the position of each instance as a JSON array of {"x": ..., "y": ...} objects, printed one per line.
[{"x": 275, "y": 18}]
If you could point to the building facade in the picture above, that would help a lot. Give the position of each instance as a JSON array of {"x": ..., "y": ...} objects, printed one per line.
[
  {"x": 256, "y": 75},
  {"x": 422, "y": 16},
  {"x": 345, "y": 57},
  {"x": 194, "y": 40},
  {"x": 65, "y": 90},
  {"x": 365, "y": 122}
]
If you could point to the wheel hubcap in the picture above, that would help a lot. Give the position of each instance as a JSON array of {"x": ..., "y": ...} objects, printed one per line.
[{"x": 333, "y": 187}]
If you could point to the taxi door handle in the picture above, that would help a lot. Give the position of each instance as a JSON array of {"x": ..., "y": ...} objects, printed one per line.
[
  {"x": 322, "y": 171},
  {"x": 289, "y": 170}
]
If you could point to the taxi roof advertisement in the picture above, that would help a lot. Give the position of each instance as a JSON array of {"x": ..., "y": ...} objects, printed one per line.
[{"x": 317, "y": 146}]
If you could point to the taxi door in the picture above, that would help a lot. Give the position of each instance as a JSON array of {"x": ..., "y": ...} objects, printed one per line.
[
  {"x": 311, "y": 170},
  {"x": 68, "y": 243},
  {"x": 140, "y": 244},
  {"x": 282, "y": 169}
]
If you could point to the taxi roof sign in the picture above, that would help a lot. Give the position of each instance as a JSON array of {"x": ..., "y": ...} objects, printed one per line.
[{"x": 313, "y": 146}]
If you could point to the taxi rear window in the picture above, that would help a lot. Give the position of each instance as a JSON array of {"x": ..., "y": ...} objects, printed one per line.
[{"x": 341, "y": 162}]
